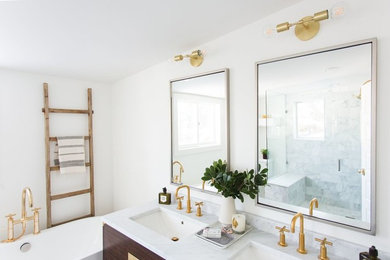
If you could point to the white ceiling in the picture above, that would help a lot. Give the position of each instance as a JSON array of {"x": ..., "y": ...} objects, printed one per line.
[{"x": 106, "y": 40}]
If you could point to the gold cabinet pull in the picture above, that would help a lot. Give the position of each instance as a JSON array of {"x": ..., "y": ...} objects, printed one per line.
[
  {"x": 131, "y": 257},
  {"x": 362, "y": 171}
]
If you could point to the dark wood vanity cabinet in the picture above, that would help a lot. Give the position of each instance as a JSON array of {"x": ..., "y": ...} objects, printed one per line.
[{"x": 117, "y": 246}]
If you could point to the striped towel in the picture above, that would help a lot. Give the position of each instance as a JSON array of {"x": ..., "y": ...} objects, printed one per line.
[{"x": 71, "y": 154}]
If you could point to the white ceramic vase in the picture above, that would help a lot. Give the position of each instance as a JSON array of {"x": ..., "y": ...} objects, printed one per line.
[{"x": 228, "y": 208}]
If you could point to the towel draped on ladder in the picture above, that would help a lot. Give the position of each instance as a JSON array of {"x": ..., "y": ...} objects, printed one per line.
[{"x": 71, "y": 154}]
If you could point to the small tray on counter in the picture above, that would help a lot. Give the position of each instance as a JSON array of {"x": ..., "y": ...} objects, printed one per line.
[{"x": 226, "y": 239}]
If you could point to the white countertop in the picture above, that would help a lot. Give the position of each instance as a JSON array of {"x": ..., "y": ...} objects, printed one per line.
[{"x": 192, "y": 247}]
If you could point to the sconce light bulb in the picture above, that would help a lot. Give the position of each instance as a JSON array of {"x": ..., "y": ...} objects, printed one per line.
[
  {"x": 338, "y": 10},
  {"x": 269, "y": 31}
]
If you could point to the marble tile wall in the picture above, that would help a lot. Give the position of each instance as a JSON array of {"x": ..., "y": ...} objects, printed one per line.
[{"x": 319, "y": 159}]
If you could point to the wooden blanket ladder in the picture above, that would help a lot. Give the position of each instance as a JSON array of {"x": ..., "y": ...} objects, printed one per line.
[{"x": 50, "y": 169}]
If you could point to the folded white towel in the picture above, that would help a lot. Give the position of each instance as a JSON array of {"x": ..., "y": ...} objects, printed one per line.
[
  {"x": 71, "y": 154},
  {"x": 71, "y": 150},
  {"x": 70, "y": 140},
  {"x": 69, "y": 158}
]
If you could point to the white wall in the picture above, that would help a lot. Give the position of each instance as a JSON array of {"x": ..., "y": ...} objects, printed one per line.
[
  {"x": 141, "y": 129},
  {"x": 22, "y": 145}
]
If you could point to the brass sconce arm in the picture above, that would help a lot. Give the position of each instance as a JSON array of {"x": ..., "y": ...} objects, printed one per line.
[
  {"x": 307, "y": 27},
  {"x": 196, "y": 58}
]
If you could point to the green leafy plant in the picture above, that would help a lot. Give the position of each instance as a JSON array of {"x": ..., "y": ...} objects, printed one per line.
[
  {"x": 235, "y": 183},
  {"x": 264, "y": 152}
]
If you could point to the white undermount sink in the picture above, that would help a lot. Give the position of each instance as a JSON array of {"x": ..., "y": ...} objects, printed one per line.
[
  {"x": 169, "y": 223},
  {"x": 259, "y": 252}
]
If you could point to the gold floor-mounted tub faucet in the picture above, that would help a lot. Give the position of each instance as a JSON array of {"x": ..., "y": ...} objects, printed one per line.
[
  {"x": 301, "y": 248},
  {"x": 24, "y": 218},
  {"x": 188, "y": 196}
]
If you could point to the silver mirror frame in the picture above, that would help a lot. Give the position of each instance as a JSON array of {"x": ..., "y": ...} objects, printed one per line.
[
  {"x": 226, "y": 71},
  {"x": 373, "y": 42}
]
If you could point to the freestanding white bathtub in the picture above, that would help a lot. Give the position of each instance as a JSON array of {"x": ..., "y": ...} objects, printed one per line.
[{"x": 81, "y": 239}]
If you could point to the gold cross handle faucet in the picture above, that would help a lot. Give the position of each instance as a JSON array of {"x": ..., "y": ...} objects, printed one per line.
[
  {"x": 199, "y": 209},
  {"x": 179, "y": 203},
  {"x": 282, "y": 236},
  {"x": 323, "y": 250}
]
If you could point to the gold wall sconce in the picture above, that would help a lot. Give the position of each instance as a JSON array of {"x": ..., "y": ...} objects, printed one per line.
[
  {"x": 196, "y": 58},
  {"x": 307, "y": 27}
]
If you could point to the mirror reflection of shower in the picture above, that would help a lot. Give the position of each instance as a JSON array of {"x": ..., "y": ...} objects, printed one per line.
[
  {"x": 316, "y": 136},
  {"x": 315, "y": 122}
]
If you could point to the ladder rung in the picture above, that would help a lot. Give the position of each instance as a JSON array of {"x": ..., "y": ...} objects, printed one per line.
[
  {"x": 69, "y": 194},
  {"x": 54, "y": 138},
  {"x": 57, "y": 167},
  {"x": 67, "y": 111},
  {"x": 73, "y": 219}
]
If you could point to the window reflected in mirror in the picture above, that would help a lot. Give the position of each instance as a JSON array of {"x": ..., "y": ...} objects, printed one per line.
[
  {"x": 199, "y": 125},
  {"x": 198, "y": 122},
  {"x": 310, "y": 120}
]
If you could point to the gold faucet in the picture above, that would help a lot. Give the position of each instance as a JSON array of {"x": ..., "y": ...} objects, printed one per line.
[
  {"x": 314, "y": 201},
  {"x": 24, "y": 218},
  {"x": 198, "y": 209},
  {"x": 181, "y": 170},
  {"x": 188, "y": 196},
  {"x": 323, "y": 250},
  {"x": 301, "y": 248},
  {"x": 282, "y": 236},
  {"x": 179, "y": 205}
]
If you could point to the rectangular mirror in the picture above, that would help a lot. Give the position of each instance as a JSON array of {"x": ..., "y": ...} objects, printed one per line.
[
  {"x": 199, "y": 125},
  {"x": 316, "y": 129}
]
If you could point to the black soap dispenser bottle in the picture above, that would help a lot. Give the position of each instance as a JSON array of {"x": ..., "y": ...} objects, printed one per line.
[
  {"x": 371, "y": 255},
  {"x": 164, "y": 197}
]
